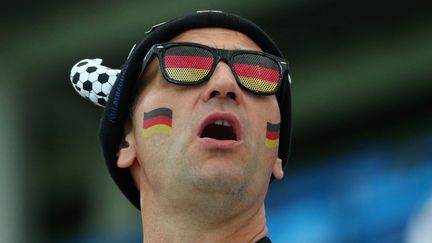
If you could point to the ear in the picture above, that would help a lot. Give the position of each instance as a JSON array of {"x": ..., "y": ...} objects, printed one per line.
[
  {"x": 127, "y": 157},
  {"x": 277, "y": 169},
  {"x": 127, "y": 153}
]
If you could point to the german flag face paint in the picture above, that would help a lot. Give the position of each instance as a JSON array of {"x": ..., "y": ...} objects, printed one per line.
[
  {"x": 272, "y": 135},
  {"x": 157, "y": 121}
]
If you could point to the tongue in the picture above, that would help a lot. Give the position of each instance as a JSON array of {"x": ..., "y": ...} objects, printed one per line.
[{"x": 219, "y": 132}]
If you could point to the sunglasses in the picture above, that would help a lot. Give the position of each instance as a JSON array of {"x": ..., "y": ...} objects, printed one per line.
[{"x": 187, "y": 63}]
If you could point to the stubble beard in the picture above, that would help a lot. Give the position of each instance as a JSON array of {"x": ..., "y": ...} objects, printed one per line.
[{"x": 207, "y": 190}]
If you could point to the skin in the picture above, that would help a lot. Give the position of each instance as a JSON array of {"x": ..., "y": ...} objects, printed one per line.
[{"x": 189, "y": 192}]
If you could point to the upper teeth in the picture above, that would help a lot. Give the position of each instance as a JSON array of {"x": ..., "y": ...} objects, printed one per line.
[{"x": 222, "y": 122}]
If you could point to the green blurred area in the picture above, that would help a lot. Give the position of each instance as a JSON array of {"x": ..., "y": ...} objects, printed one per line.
[{"x": 361, "y": 72}]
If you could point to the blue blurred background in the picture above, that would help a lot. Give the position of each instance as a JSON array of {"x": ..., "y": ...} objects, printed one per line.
[{"x": 361, "y": 163}]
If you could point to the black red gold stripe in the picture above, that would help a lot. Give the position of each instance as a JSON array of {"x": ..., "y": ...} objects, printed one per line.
[
  {"x": 272, "y": 135},
  {"x": 187, "y": 68},
  {"x": 157, "y": 121}
]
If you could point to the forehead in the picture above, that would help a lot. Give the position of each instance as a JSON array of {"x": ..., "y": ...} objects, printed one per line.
[{"x": 218, "y": 38}]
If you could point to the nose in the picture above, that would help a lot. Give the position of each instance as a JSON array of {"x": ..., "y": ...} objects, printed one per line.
[{"x": 222, "y": 85}]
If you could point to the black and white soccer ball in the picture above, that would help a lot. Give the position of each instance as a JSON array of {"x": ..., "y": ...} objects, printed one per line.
[{"x": 93, "y": 81}]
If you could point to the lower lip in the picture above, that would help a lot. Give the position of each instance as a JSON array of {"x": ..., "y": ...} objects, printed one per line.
[{"x": 219, "y": 144}]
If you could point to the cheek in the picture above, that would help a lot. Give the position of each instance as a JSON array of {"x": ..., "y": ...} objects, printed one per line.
[
  {"x": 266, "y": 123},
  {"x": 153, "y": 132}
]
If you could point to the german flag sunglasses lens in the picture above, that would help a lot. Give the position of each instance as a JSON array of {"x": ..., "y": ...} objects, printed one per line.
[
  {"x": 187, "y": 64},
  {"x": 257, "y": 72}
]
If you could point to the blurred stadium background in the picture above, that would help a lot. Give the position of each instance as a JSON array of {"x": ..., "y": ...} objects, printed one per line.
[{"x": 361, "y": 164}]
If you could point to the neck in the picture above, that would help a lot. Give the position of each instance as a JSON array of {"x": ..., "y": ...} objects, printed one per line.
[{"x": 193, "y": 224}]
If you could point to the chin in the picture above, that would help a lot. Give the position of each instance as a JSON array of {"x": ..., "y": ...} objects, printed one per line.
[{"x": 223, "y": 177}]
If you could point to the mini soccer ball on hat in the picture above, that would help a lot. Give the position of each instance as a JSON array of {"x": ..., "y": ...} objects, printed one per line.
[{"x": 93, "y": 81}]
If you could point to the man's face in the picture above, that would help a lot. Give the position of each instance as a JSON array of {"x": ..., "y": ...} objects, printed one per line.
[{"x": 194, "y": 157}]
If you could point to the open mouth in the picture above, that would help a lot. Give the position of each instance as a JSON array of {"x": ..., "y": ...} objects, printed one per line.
[{"x": 220, "y": 128}]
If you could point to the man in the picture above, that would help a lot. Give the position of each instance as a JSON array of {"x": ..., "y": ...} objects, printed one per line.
[{"x": 191, "y": 128}]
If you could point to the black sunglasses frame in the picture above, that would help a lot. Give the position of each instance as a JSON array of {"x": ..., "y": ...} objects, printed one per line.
[{"x": 218, "y": 55}]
